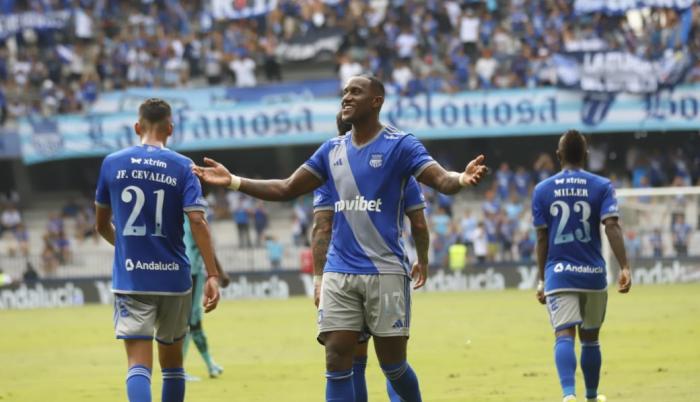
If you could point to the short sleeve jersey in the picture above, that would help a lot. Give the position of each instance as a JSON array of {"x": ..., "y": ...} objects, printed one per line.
[
  {"x": 149, "y": 189},
  {"x": 572, "y": 205},
  {"x": 367, "y": 188}
]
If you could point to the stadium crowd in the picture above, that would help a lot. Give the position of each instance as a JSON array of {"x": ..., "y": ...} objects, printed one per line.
[{"x": 417, "y": 45}]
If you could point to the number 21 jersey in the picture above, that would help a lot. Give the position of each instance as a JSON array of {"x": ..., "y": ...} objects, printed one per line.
[
  {"x": 148, "y": 189},
  {"x": 571, "y": 205}
]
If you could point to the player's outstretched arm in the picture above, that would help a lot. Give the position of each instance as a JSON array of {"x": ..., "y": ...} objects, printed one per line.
[
  {"x": 421, "y": 236},
  {"x": 617, "y": 244},
  {"x": 300, "y": 182},
  {"x": 542, "y": 248},
  {"x": 320, "y": 239},
  {"x": 202, "y": 237},
  {"x": 446, "y": 182},
  {"x": 103, "y": 223}
]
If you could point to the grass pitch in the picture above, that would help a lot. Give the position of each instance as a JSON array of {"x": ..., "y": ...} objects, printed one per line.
[{"x": 477, "y": 346}]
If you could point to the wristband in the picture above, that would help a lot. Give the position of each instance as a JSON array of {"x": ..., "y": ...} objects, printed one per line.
[
  {"x": 318, "y": 279},
  {"x": 463, "y": 180},
  {"x": 235, "y": 183},
  {"x": 540, "y": 285},
  {"x": 213, "y": 276}
]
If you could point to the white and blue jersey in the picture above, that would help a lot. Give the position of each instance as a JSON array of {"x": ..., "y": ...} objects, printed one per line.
[
  {"x": 366, "y": 187},
  {"x": 149, "y": 189},
  {"x": 572, "y": 205}
]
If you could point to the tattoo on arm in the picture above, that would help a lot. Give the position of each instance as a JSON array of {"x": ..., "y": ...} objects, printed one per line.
[{"x": 321, "y": 239}]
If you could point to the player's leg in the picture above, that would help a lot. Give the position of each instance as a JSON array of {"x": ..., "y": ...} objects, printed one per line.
[
  {"x": 340, "y": 320},
  {"x": 134, "y": 320},
  {"x": 388, "y": 309},
  {"x": 359, "y": 365},
  {"x": 197, "y": 330},
  {"x": 565, "y": 315},
  {"x": 593, "y": 308},
  {"x": 171, "y": 328},
  {"x": 139, "y": 354}
]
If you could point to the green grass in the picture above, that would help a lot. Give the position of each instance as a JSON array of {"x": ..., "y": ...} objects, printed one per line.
[{"x": 477, "y": 346}]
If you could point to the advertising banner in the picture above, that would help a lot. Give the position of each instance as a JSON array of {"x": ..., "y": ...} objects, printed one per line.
[
  {"x": 283, "y": 284},
  {"x": 207, "y": 119}
]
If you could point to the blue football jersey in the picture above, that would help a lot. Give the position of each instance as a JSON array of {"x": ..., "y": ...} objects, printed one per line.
[
  {"x": 149, "y": 189},
  {"x": 571, "y": 205},
  {"x": 367, "y": 186}
]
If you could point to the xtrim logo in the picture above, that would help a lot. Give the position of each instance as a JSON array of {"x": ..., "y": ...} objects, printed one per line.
[
  {"x": 151, "y": 266},
  {"x": 579, "y": 269},
  {"x": 360, "y": 204}
]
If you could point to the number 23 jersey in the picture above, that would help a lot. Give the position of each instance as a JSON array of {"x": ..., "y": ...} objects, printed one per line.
[
  {"x": 572, "y": 205},
  {"x": 148, "y": 189}
]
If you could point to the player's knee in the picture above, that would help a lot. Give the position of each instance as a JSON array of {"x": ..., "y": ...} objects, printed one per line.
[
  {"x": 588, "y": 335},
  {"x": 566, "y": 332},
  {"x": 339, "y": 355},
  {"x": 196, "y": 326}
]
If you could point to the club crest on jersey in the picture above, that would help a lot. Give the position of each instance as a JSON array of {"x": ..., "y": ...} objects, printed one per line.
[{"x": 376, "y": 160}]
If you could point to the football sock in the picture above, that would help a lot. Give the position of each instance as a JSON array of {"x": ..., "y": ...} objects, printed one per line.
[
  {"x": 565, "y": 358},
  {"x": 590, "y": 365},
  {"x": 173, "y": 384},
  {"x": 339, "y": 386},
  {"x": 393, "y": 396},
  {"x": 138, "y": 384},
  {"x": 404, "y": 381},
  {"x": 200, "y": 340},
  {"x": 359, "y": 364}
]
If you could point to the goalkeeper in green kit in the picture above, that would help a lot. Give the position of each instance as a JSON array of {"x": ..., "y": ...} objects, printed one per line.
[{"x": 199, "y": 277}]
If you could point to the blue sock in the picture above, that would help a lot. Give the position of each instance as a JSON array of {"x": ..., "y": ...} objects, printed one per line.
[
  {"x": 359, "y": 364},
  {"x": 404, "y": 381},
  {"x": 173, "y": 384},
  {"x": 339, "y": 386},
  {"x": 565, "y": 358},
  {"x": 590, "y": 365},
  {"x": 393, "y": 396},
  {"x": 138, "y": 384}
]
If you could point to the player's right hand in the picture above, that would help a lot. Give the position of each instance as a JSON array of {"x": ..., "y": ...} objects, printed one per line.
[
  {"x": 214, "y": 173},
  {"x": 211, "y": 294},
  {"x": 625, "y": 282}
]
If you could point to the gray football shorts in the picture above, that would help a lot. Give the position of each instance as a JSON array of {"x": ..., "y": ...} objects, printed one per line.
[
  {"x": 140, "y": 316},
  {"x": 378, "y": 305},
  {"x": 569, "y": 309}
]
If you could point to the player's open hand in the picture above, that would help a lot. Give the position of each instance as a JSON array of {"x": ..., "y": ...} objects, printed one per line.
[
  {"x": 625, "y": 282},
  {"x": 211, "y": 294},
  {"x": 213, "y": 173},
  {"x": 475, "y": 171},
  {"x": 419, "y": 273}
]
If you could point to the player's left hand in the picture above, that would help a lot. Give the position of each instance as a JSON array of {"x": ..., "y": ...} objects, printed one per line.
[
  {"x": 475, "y": 170},
  {"x": 419, "y": 273},
  {"x": 211, "y": 293},
  {"x": 625, "y": 282}
]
